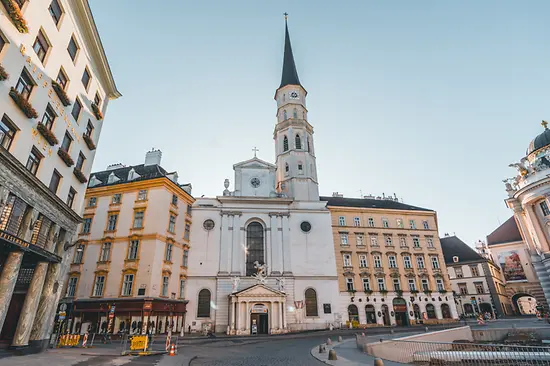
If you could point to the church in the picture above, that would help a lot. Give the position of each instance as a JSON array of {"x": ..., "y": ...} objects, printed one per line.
[{"x": 262, "y": 258}]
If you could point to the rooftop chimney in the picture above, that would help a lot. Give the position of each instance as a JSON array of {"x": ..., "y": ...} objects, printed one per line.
[
  {"x": 153, "y": 157},
  {"x": 336, "y": 194}
]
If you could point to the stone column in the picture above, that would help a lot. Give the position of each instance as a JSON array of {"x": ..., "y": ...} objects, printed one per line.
[
  {"x": 247, "y": 325},
  {"x": 232, "y": 313},
  {"x": 283, "y": 313},
  {"x": 267, "y": 249},
  {"x": 438, "y": 313},
  {"x": 287, "y": 269},
  {"x": 225, "y": 246},
  {"x": 8, "y": 278},
  {"x": 379, "y": 319},
  {"x": 280, "y": 313},
  {"x": 242, "y": 245}
]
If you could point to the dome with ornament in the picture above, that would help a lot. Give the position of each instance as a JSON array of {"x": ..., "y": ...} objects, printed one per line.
[{"x": 541, "y": 140}]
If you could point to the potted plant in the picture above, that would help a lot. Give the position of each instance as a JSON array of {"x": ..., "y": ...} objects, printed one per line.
[
  {"x": 79, "y": 175},
  {"x": 16, "y": 16},
  {"x": 383, "y": 292},
  {"x": 443, "y": 291},
  {"x": 352, "y": 292},
  {"x": 97, "y": 112},
  {"x": 89, "y": 142},
  {"x": 399, "y": 293},
  {"x": 368, "y": 291},
  {"x": 428, "y": 292},
  {"x": 47, "y": 133},
  {"x": 65, "y": 157},
  {"x": 23, "y": 104},
  {"x": 3, "y": 74},
  {"x": 414, "y": 292},
  {"x": 63, "y": 97}
]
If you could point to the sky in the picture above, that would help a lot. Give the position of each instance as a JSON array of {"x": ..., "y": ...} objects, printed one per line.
[{"x": 430, "y": 100}]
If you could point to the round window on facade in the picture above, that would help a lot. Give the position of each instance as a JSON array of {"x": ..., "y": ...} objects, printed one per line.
[
  {"x": 305, "y": 226},
  {"x": 208, "y": 224}
]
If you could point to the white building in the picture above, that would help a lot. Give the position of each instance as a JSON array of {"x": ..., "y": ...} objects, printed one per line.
[
  {"x": 263, "y": 253},
  {"x": 55, "y": 84}
]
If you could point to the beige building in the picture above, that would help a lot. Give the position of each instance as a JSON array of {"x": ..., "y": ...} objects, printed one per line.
[
  {"x": 390, "y": 265},
  {"x": 132, "y": 255},
  {"x": 55, "y": 85}
]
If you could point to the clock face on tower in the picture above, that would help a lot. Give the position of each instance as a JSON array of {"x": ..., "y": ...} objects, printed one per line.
[
  {"x": 255, "y": 182},
  {"x": 294, "y": 95}
]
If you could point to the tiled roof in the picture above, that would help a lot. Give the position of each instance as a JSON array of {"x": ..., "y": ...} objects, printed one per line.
[
  {"x": 505, "y": 233},
  {"x": 453, "y": 246},
  {"x": 370, "y": 203}
]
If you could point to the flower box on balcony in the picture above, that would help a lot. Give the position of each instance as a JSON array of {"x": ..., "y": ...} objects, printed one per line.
[
  {"x": 47, "y": 133},
  {"x": 65, "y": 157},
  {"x": 97, "y": 112},
  {"x": 23, "y": 104},
  {"x": 61, "y": 93},
  {"x": 15, "y": 15},
  {"x": 89, "y": 142},
  {"x": 79, "y": 175},
  {"x": 3, "y": 74}
]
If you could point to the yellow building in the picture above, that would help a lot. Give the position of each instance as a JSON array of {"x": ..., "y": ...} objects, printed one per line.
[
  {"x": 131, "y": 257},
  {"x": 390, "y": 264}
]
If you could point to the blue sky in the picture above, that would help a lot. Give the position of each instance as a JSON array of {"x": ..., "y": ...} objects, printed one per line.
[{"x": 430, "y": 100}]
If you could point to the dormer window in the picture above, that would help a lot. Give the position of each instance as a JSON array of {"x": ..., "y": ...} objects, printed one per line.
[
  {"x": 455, "y": 259},
  {"x": 112, "y": 178}
]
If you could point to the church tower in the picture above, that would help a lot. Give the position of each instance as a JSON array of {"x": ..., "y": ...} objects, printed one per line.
[{"x": 294, "y": 148}]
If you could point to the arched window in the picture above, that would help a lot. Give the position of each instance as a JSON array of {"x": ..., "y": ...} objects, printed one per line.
[
  {"x": 284, "y": 115},
  {"x": 255, "y": 247},
  {"x": 203, "y": 305},
  {"x": 416, "y": 310},
  {"x": 371, "y": 314},
  {"x": 311, "y": 302},
  {"x": 430, "y": 310},
  {"x": 353, "y": 313},
  {"x": 286, "y": 168},
  {"x": 308, "y": 145},
  {"x": 446, "y": 311},
  {"x": 285, "y": 143},
  {"x": 298, "y": 142},
  {"x": 468, "y": 309},
  {"x": 295, "y": 113}
]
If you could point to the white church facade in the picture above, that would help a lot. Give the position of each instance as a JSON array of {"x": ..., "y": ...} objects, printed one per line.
[{"x": 262, "y": 258}]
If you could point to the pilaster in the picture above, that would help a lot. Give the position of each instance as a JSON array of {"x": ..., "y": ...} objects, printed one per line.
[
  {"x": 275, "y": 247},
  {"x": 225, "y": 246},
  {"x": 287, "y": 269}
]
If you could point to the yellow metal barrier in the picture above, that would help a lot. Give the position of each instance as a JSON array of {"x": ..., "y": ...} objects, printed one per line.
[
  {"x": 139, "y": 343},
  {"x": 68, "y": 340}
]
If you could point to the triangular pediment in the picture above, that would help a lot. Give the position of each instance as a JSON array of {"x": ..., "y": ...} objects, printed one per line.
[
  {"x": 254, "y": 163},
  {"x": 259, "y": 290}
]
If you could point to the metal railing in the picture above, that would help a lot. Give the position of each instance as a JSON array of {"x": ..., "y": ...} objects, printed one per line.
[{"x": 442, "y": 353}]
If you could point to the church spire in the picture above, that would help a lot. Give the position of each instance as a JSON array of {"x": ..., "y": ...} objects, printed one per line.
[{"x": 290, "y": 75}]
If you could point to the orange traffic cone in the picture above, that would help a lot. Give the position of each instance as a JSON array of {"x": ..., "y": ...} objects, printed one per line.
[{"x": 172, "y": 350}]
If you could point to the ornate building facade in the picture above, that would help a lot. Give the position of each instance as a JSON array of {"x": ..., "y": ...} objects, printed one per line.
[
  {"x": 390, "y": 265},
  {"x": 128, "y": 273},
  {"x": 55, "y": 85}
]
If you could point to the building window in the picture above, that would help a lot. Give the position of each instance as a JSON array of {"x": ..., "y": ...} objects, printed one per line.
[
  {"x": 105, "y": 252},
  {"x": 127, "y": 284},
  {"x": 86, "y": 225},
  {"x": 48, "y": 117},
  {"x": 342, "y": 221},
  {"x": 359, "y": 240},
  {"x": 92, "y": 201},
  {"x": 349, "y": 284},
  {"x": 287, "y": 168},
  {"x": 416, "y": 242},
  {"x": 366, "y": 284},
  {"x": 33, "y": 162},
  {"x": 2, "y": 43},
  {"x": 187, "y": 231},
  {"x": 285, "y": 144},
  {"x": 168, "y": 252},
  {"x": 381, "y": 284},
  {"x": 377, "y": 261},
  {"x": 203, "y": 305},
  {"x": 79, "y": 254},
  {"x": 463, "y": 288},
  {"x": 99, "y": 285},
  {"x": 479, "y": 287},
  {"x": 374, "y": 241},
  {"x": 439, "y": 284},
  {"x": 392, "y": 261},
  {"x": 41, "y": 46},
  {"x": 344, "y": 239},
  {"x": 71, "y": 288},
  {"x": 142, "y": 195},
  {"x": 175, "y": 200},
  {"x": 407, "y": 262},
  {"x": 298, "y": 142},
  {"x": 86, "y": 77},
  {"x": 544, "y": 208},
  {"x": 311, "y": 302},
  {"x": 182, "y": 288},
  {"x": 67, "y": 141},
  {"x": 133, "y": 249},
  {"x": 25, "y": 84},
  {"x": 426, "y": 225},
  {"x": 111, "y": 222},
  {"x": 138, "y": 219},
  {"x": 371, "y": 222},
  {"x": 412, "y": 224},
  {"x": 388, "y": 240},
  {"x": 402, "y": 241},
  {"x": 117, "y": 198},
  {"x": 435, "y": 262},
  {"x": 425, "y": 285},
  {"x": 89, "y": 129},
  {"x": 80, "y": 161},
  {"x": 172, "y": 224},
  {"x": 72, "y": 48},
  {"x": 165, "y": 280},
  {"x": 284, "y": 114},
  {"x": 77, "y": 108},
  {"x": 62, "y": 79},
  {"x": 399, "y": 223},
  {"x": 474, "y": 270},
  {"x": 54, "y": 182},
  {"x": 356, "y": 221},
  {"x": 396, "y": 284},
  {"x": 185, "y": 258},
  {"x": 412, "y": 284},
  {"x": 7, "y": 132},
  {"x": 70, "y": 197},
  {"x": 347, "y": 260},
  {"x": 385, "y": 223},
  {"x": 255, "y": 246},
  {"x": 430, "y": 242},
  {"x": 55, "y": 11},
  {"x": 362, "y": 261},
  {"x": 300, "y": 168},
  {"x": 97, "y": 100},
  {"x": 420, "y": 262},
  {"x": 458, "y": 272}
]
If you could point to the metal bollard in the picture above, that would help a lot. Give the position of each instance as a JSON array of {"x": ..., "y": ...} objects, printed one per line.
[
  {"x": 339, "y": 338},
  {"x": 378, "y": 362},
  {"x": 365, "y": 348},
  {"x": 332, "y": 355},
  {"x": 426, "y": 329},
  {"x": 329, "y": 342},
  {"x": 322, "y": 348},
  {"x": 391, "y": 331}
]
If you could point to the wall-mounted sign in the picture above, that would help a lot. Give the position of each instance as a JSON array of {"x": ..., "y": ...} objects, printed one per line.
[{"x": 259, "y": 309}]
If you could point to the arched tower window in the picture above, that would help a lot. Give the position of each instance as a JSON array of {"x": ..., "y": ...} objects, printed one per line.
[
  {"x": 311, "y": 302},
  {"x": 285, "y": 143},
  {"x": 255, "y": 247},
  {"x": 286, "y": 168},
  {"x": 295, "y": 113},
  {"x": 308, "y": 145},
  {"x": 298, "y": 142},
  {"x": 284, "y": 115},
  {"x": 300, "y": 167},
  {"x": 203, "y": 305}
]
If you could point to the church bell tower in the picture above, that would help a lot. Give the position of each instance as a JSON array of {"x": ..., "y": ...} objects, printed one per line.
[{"x": 294, "y": 148}]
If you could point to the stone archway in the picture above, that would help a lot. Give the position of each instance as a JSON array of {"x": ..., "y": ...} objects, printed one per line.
[
  {"x": 353, "y": 313},
  {"x": 386, "y": 315},
  {"x": 400, "y": 310},
  {"x": 525, "y": 304}
]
